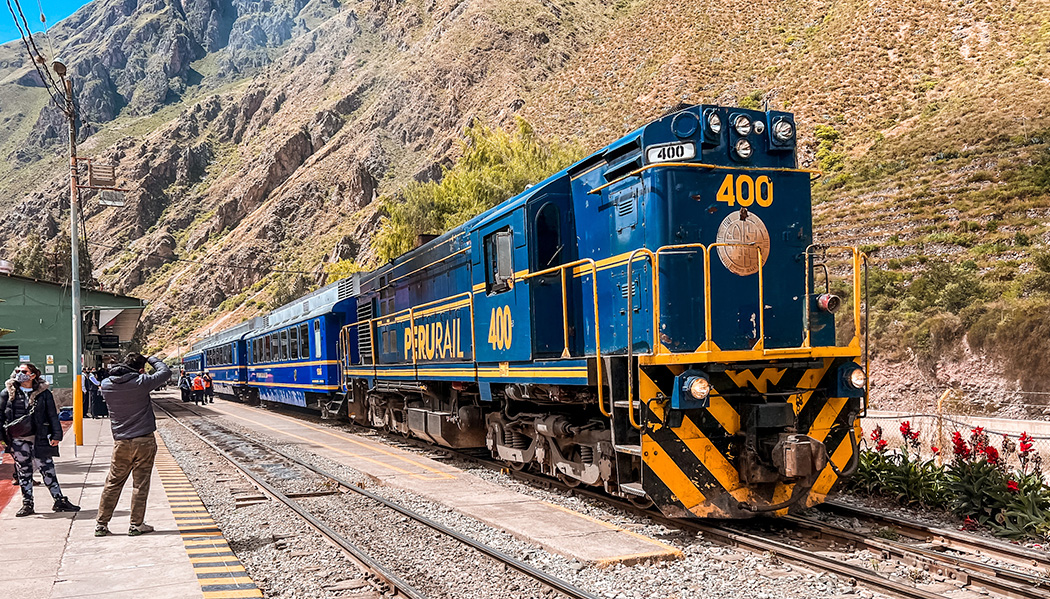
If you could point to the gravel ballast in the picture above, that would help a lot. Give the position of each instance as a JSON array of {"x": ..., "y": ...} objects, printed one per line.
[{"x": 303, "y": 565}]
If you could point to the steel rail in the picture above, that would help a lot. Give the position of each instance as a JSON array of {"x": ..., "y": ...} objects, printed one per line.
[
  {"x": 948, "y": 538},
  {"x": 1011, "y": 585},
  {"x": 553, "y": 582},
  {"x": 389, "y": 577},
  {"x": 1003, "y": 581}
]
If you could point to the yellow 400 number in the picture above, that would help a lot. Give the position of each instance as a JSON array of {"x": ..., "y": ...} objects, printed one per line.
[
  {"x": 745, "y": 191},
  {"x": 501, "y": 328}
]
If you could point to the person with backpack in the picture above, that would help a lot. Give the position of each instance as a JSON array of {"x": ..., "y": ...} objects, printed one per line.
[
  {"x": 198, "y": 389},
  {"x": 209, "y": 390},
  {"x": 127, "y": 392},
  {"x": 30, "y": 426},
  {"x": 185, "y": 386}
]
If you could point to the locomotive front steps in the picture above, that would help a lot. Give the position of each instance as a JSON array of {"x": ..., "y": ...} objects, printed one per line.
[
  {"x": 629, "y": 449},
  {"x": 633, "y": 489}
]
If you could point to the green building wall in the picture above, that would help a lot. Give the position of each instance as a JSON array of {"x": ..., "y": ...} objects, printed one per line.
[{"x": 37, "y": 326}]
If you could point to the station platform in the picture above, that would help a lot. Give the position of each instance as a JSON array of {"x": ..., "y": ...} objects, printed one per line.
[
  {"x": 557, "y": 529},
  {"x": 56, "y": 555}
]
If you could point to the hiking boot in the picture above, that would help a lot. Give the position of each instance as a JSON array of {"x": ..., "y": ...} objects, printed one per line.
[
  {"x": 139, "y": 529},
  {"x": 62, "y": 504},
  {"x": 101, "y": 530},
  {"x": 27, "y": 510}
]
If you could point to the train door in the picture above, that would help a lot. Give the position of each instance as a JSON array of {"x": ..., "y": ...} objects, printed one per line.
[
  {"x": 501, "y": 303},
  {"x": 552, "y": 236}
]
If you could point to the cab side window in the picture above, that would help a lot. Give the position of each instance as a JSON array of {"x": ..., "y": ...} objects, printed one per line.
[{"x": 499, "y": 260}]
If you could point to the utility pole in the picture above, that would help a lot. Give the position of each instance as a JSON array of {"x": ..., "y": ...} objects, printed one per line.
[{"x": 74, "y": 250}]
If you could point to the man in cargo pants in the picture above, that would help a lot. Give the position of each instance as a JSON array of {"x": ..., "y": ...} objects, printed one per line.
[{"x": 126, "y": 391}]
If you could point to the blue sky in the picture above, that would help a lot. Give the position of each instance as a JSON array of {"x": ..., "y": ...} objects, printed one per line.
[{"x": 55, "y": 10}]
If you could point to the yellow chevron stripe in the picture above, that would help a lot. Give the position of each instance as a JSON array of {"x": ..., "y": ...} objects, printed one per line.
[
  {"x": 841, "y": 456},
  {"x": 699, "y": 445},
  {"x": 672, "y": 476},
  {"x": 809, "y": 380},
  {"x": 724, "y": 413},
  {"x": 761, "y": 383}
]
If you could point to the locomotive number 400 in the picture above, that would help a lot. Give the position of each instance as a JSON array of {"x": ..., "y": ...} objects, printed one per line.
[
  {"x": 743, "y": 190},
  {"x": 501, "y": 328}
]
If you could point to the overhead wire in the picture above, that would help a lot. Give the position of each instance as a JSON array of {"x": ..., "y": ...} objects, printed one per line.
[
  {"x": 47, "y": 29},
  {"x": 202, "y": 263},
  {"x": 24, "y": 32}
]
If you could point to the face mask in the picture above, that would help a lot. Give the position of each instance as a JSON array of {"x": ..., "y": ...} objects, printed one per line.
[{"x": 22, "y": 377}]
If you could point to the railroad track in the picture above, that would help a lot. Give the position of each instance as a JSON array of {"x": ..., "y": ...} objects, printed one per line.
[
  {"x": 369, "y": 564},
  {"x": 927, "y": 551},
  {"x": 926, "y": 555},
  {"x": 946, "y": 538}
]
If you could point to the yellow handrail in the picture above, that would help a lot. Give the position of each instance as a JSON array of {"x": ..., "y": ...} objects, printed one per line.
[
  {"x": 630, "y": 328},
  {"x": 565, "y": 323}
]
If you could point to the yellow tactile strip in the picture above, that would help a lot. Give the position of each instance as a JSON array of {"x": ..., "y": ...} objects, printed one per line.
[{"x": 219, "y": 572}]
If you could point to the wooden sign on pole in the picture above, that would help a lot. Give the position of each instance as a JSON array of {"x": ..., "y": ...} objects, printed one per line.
[{"x": 102, "y": 175}]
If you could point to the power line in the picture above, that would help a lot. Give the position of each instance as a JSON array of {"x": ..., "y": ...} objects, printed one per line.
[
  {"x": 202, "y": 263},
  {"x": 50, "y": 85}
]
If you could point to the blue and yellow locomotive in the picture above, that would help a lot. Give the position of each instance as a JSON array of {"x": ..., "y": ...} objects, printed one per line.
[{"x": 655, "y": 320}]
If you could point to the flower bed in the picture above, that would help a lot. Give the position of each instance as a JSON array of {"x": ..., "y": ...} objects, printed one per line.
[{"x": 975, "y": 484}]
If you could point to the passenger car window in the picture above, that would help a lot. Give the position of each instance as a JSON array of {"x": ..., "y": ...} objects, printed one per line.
[
  {"x": 317, "y": 338},
  {"x": 304, "y": 337},
  {"x": 293, "y": 343}
]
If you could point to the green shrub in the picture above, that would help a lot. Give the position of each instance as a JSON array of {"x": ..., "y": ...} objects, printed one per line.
[
  {"x": 495, "y": 166},
  {"x": 752, "y": 101}
]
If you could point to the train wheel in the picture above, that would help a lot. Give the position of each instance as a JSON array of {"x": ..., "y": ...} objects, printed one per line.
[{"x": 569, "y": 481}]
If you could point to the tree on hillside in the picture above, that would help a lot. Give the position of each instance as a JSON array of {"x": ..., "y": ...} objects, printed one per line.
[
  {"x": 52, "y": 262},
  {"x": 288, "y": 289},
  {"x": 495, "y": 166}
]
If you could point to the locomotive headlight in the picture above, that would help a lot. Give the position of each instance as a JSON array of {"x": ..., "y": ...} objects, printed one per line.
[
  {"x": 742, "y": 124},
  {"x": 760, "y": 127},
  {"x": 714, "y": 123},
  {"x": 743, "y": 149},
  {"x": 857, "y": 378},
  {"x": 783, "y": 130},
  {"x": 699, "y": 387}
]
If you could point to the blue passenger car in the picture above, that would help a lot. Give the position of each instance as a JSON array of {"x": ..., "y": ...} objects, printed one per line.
[
  {"x": 193, "y": 362},
  {"x": 292, "y": 353},
  {"x": 225, "y": 360}
]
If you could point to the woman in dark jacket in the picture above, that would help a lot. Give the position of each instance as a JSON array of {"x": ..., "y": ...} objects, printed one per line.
[{"x": 27, "y": 393}]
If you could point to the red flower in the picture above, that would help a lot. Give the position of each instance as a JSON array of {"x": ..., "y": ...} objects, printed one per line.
[
  {"x": 959, "y": 447},
  {"x": 977, "y": 431},
  {"x": 1025, "y": 443},
  {"x": 880, "y": 445},
  {"x": 991, "y": 454},
  {"x": 1011, "y": 486},
  {"x": 908, "y": 433},
  {"x": 935, "y": 449},
  {"x": 876, "y": 434}
]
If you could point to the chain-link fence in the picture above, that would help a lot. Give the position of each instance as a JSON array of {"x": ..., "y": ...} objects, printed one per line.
[{"x": 934, "y": 434}]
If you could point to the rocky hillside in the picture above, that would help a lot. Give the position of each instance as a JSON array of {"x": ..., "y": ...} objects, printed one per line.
[{"x": 256, "y": 136}]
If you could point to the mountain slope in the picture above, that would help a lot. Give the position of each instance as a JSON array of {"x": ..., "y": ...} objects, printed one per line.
[{"x": 260, "y": 134}]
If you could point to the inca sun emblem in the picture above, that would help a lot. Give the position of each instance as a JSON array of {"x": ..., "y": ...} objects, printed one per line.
[{"x": 742, "y": 228}]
